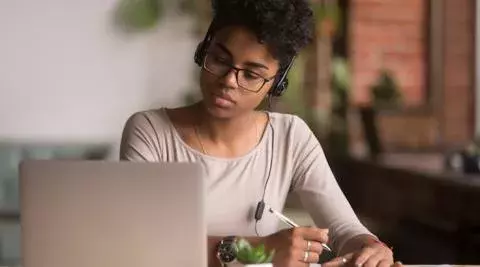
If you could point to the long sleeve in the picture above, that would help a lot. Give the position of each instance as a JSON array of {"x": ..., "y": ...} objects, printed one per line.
[
  {"x": 139, "y": 140},
  {"x": 319, "y": 191}
]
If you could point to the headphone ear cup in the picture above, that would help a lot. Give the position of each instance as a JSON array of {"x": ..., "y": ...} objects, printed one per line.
[
  {"x": 283, "y": 87},
  {"x": 279, "y": 88},
  {"x": 199, "y": 54}
]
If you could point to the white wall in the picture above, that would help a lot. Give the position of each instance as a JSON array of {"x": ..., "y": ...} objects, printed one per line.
[{"x": 65, "y": 74}]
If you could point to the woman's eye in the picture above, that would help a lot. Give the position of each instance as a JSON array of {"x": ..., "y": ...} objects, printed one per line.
[
  {"x": 221, "y": 60},
  {"x": 251, "y": 75}
]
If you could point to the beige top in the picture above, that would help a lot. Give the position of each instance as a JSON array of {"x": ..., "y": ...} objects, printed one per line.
[{"x": 235, "y": 186}]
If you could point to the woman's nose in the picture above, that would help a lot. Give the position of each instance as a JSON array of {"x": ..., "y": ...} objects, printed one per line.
[{"x": 230, "y": 79}]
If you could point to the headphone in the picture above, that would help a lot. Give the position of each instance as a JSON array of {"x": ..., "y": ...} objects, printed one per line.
[{"x": 281, "y": 81}]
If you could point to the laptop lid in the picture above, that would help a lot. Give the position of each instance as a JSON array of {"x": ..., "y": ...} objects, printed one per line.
[{"x": 112, "y": 214}]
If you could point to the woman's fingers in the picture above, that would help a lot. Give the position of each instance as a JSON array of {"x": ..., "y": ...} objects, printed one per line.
[
  {"x": 312, "y": 246},
  {"x": 313, "y": 234},
  {"x": 375, "y": 261},
  {"x": 339, "y": 261},
  {"x": 384, "y": 263},
  {"x": 299, "y": 245},
  {"x": 363, "y": 256},
  {"x": 308, "y": 256}
]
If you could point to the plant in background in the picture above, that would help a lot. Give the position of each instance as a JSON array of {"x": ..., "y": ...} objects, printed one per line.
[
  {"x": 142, "y": 15},
  {"x": 138, "y": 15},
  {"x": 385, "y": 92},
  {"x": 247, "y": 254},
  {"x": 328, "y": 16},
  {"x": 340, "y": 82},
  {"x": 338, "y": 135},
  {"x": 293, "y": 98}
]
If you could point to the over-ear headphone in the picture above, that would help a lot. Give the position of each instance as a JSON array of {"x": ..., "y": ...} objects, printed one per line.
[
  {"x": 281, "y": 81},
  {"x": 281, "y": 84}
]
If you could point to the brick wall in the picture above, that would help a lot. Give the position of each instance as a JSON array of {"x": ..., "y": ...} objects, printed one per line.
[
  {"x": 457, "y": 115},
  {"x": 392, "y": 33},
  {"x": 388, "y": 33}
]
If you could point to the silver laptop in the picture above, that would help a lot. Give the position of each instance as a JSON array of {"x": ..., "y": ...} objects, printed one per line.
[{"x": 112, "y": 214}]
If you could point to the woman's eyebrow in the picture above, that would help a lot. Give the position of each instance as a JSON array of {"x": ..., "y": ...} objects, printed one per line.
[
  {"x": 249, "y": 63},
  {"x": 224, "y": 49},
  {"x": 256, "y": 65}
]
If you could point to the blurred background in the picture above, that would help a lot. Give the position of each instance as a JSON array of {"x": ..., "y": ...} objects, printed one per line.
[{"x": 390, "y": 88}]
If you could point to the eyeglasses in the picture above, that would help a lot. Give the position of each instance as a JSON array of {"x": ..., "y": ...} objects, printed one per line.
[{"x": 246, "y": 79}]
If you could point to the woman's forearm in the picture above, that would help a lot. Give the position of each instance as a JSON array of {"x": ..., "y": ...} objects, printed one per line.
[{"x": 213, "y": 242}]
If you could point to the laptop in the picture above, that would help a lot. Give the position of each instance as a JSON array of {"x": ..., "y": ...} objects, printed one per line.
[{"x": 112, "y": 214}]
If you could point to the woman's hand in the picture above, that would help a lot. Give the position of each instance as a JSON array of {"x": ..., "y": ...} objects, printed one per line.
[
  {"x": 297, "y": 246},
  {"x": 375, "y": 254}
]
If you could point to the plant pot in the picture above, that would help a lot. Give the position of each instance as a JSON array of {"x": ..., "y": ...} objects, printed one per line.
[{"x": 368, "y": 117}]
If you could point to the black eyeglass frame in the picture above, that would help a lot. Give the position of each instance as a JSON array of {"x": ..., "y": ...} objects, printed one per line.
[{"x": 237, "y": 70}]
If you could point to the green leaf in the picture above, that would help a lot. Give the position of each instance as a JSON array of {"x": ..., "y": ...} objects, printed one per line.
[
  {"x": 252, "y": 257},
  {"x": 262, "y": 259},
  {"x": 242, "y": 256},
  {"x": 247, "y": 254},
  {"x": 243, "y": 244},
  {"x": 270, "y": 257},
  {"x": 259, "y": 253},
  {"x": 260, "y": 249}
]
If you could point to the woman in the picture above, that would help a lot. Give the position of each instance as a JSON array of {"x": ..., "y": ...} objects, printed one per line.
[{"x": 255, "y": 156}]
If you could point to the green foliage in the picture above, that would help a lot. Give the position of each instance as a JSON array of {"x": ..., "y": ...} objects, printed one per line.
[
  {"x": 340, "y": 81},
  {"x": 138, "y": 15},
  {"x": 328, "y": 10},
  {"x": 247, "y": 254},
  {"x": 340, "y": 73},
  {"x": 294, "y": 96},
  {"x": 338, "y": 136},
  {"x": 385, "y": 92}
]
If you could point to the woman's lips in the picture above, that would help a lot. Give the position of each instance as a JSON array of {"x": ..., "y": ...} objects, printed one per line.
[{"x": 223, "y": 101}]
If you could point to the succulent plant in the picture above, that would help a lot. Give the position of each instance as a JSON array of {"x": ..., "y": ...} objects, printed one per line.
[{"x": 248, "y": 254}]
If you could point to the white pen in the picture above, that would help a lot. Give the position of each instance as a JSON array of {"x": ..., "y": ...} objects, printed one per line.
[{"x": 290, "y": 222}]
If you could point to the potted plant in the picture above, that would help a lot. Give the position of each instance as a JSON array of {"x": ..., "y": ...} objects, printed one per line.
[
  {"x": 138, "y": 15},
  {"x": 248, "y": 255},
  {"x": 385, "y": 96},
  {"x": 385, "y": 92}
]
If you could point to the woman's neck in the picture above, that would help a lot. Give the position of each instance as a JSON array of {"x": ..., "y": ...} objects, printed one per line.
[{"x": 226, "y": 131}]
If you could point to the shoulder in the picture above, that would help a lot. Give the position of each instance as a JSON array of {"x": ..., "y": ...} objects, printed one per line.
[
  {"x": 150, "y": 124},
  {"x": 147, "y": 120},
  {"x": 295, "y": 136},
  {"x": 290, "y": 125},
  {"x": 142, "y": 135}
]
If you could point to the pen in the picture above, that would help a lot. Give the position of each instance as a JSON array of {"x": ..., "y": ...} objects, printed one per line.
[{"x": 290, "y": 222}]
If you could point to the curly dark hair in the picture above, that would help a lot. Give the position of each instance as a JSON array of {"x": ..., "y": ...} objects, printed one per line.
[{"x": 285, "y": 26}]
